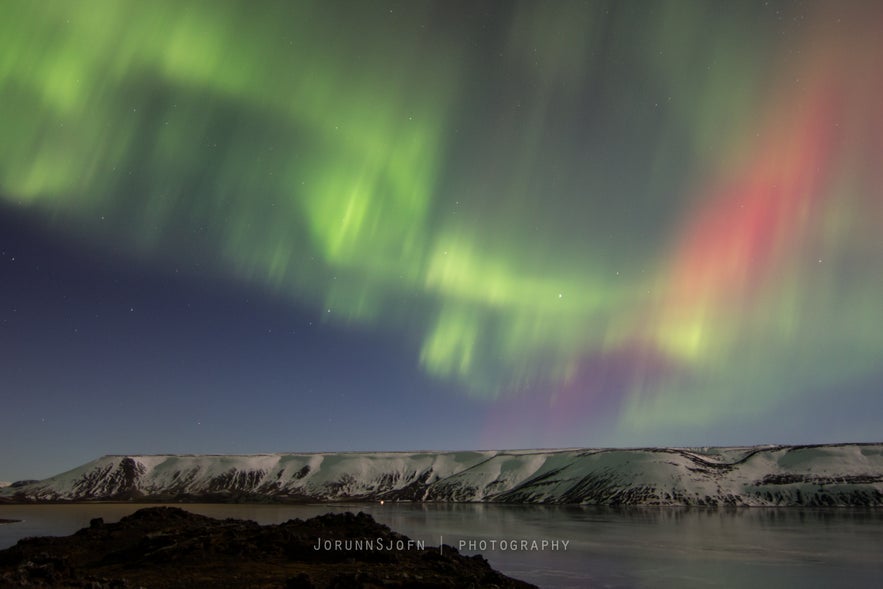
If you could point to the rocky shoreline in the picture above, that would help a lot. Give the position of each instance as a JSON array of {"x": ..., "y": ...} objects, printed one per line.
[{"x": 170, "y": 548}]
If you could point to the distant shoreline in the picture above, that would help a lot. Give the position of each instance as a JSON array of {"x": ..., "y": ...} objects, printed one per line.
[
  {"x": 9, "y": 521},
  {"x": 183, "y": 503}
]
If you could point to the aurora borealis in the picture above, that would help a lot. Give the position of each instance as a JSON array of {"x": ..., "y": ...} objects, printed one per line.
[{"x": 481, "y": 224}]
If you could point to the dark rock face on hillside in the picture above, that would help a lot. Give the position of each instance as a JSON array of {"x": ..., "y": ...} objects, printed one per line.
[{"x": 167, "y": 547}]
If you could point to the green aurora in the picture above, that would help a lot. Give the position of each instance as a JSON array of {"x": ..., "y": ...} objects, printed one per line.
[{"x": 518, "y": 186}]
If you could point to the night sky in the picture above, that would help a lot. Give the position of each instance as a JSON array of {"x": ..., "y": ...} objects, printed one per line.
[{"x": 232, "y": 227}]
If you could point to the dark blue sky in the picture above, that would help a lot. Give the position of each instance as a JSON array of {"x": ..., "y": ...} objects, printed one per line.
[{"x": 105, "y": 354}]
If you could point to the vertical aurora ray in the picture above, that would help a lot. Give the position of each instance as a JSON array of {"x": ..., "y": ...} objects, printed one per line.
[
  {"x": 339, "y": 206},
  {"x": 763, "y": 304},
  {"x": 661, "y": 215},
  {"x": 235, "y": 123}
]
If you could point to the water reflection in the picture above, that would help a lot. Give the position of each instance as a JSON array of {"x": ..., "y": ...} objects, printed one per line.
[{"x": 621, "y": 548}]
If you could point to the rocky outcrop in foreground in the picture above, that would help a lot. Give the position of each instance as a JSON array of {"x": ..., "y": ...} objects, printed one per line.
[
  {"x": 834, "y": 475},
  {"x": 167, "y": 547}
]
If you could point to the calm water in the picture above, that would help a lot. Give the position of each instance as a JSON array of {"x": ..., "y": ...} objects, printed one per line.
[{"x": 606, "y": 548}]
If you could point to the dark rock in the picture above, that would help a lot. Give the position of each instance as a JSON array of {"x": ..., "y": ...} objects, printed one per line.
[
  {"x": 300, "y": 581},
  {"x": 167, "y": 547}
]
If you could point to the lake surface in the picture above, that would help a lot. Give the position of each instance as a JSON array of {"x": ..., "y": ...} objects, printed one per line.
[{"x": 627, "y": 548}]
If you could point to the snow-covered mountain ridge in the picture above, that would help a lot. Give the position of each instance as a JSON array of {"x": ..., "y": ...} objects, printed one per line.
[{"x": 820, "y": 475}]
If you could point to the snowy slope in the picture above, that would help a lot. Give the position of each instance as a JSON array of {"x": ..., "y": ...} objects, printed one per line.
[
  {"x": 4, "y": 484},
  {"x": 837, "y": 475}
]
